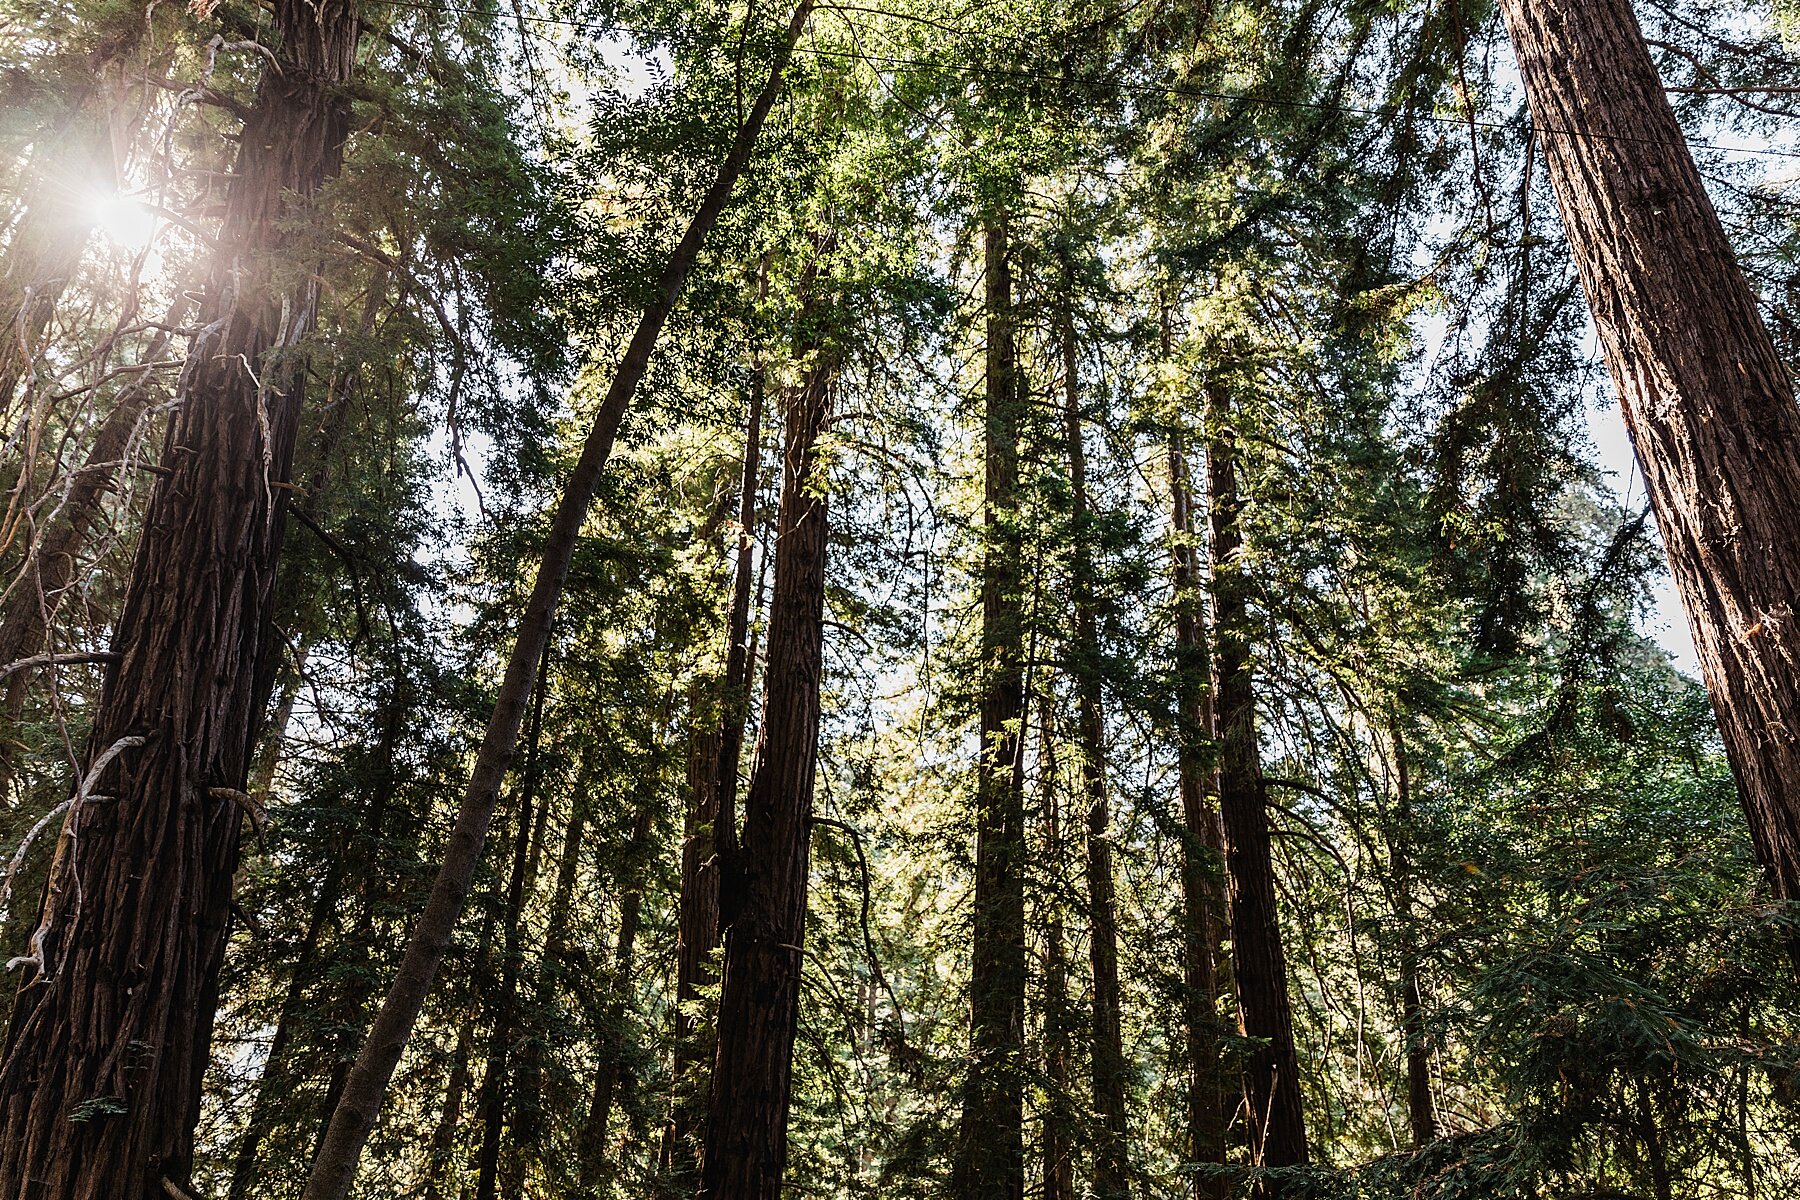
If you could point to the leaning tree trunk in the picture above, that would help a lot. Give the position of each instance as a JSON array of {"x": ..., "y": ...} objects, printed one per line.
[
  {"x": 1202, "y": 842},
  {"x": 1274, "y": 1123},
  {"x": 113, "y": 1023},
  {"x": 1707, "y": 401},
  {"x": 1112, "y": 1175},
  {"x": 334, "y": 1170},
  {"x": 989, "y": 1162},
  {"x": 745, "y": 1148},
  {"x": 715, "y": 781}
]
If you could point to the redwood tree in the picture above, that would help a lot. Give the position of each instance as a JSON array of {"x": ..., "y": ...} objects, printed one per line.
[
  {"x": 1707, "y": 401},
  {"x": 1274, "y": 1123},
  {"x": 990, "y": 1152},
  {"x": 759, "y": 1001},
  {"x": 100, "y": 1084}
]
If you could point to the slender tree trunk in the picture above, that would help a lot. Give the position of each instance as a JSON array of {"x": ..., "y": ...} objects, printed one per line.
[
  {"x": 274, "y": 1086},
  {"x": 1112, "y": 1170},
  {"x": 989, "y": 1162},
  {"x": 759, "y": 1001},
  {"x": 443, "y": 1134},
  {"x": 1202, "y": 847},
  {"x": 610, "y": 1069},
  {"x": 442, "y": 1154},
  {"x": 113, "y": 1027},
  {"x": 715, "y": 779},
  {"x": 334, "y": 1171},
  {"x": 1275, "y": 1123},
  {"x": 1420, "y": 1107},
  {"x": 528, "y": 1110},
  {"x": 1707, "y": 400},
  {"x": 492, "y": 1103},
  {"x": 1058, "y": 1128}
]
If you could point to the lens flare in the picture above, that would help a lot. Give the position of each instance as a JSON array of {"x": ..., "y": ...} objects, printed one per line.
[{"x": 123, "y": 221}]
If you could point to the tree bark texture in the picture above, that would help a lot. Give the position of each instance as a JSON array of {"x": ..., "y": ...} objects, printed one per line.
[
  {"x": 1707, "y": 402},
  {"x": 334, "y": 1171},
  {"x": 100, "y": 1083},
  {"x": 989, "y": 1162},
  {"x": 714, "y": 807},
  {"x": 1112, "y": 1171},
  {"x": 1202, "y": 846},
  {"x": 759, "y": 1002},
  {"x": 1274, "y": 1122}
]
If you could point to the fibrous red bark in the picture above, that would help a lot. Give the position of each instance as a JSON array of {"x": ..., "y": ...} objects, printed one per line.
[
  {"x": 1707, "y": 401},
  {"x": 100, "y": 1084},
  {"x": 745, "y": 1151}
]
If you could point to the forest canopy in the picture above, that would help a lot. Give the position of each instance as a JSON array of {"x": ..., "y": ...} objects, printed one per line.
[{"x": 993, "y": 599}]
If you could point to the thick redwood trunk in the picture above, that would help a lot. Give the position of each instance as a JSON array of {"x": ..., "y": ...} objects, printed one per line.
[
  {"x": 334, "y": 1170},
  {"x": 714, "y": 782},
  {"x": 1112, "y": 1178},
  {"x": 759, "y": 1002},
  {"x": 1202, "y": 847},
  {"x": 114, "y": 1020},
  {"x": 1275, "y": 1124},
  {"x": 1707, "y": 401},
  {"x": 990, "y": 1152}
]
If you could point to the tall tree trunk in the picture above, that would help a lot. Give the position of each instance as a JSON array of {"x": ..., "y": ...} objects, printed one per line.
[
  {"x": 1275, "y": 1123},
  {"x": 1058, "y": 1141},
  {"x": 1420, "y": 1107},
  {"x": 611, "y": 1067},
  {"x": 989, "y": 1162},
  {"x": 1112, "y": 1171},
  {"x": 334, "y": 1171},
  {"x": 492, "y": 1103},
  {"x": 715, "y": 780},
  {"x": 114, "y": 1025},
  {"x": 442, "y": 1153},
  {"x": 1202, "y": 852},
  {"x": 274, "y": 1085},
  {"x": 1707, "y": 401},
  {"x": 759, "y": 1001},
  {"x": 528, "y": 1109},
  {"x": 456, "y": 1086}
]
